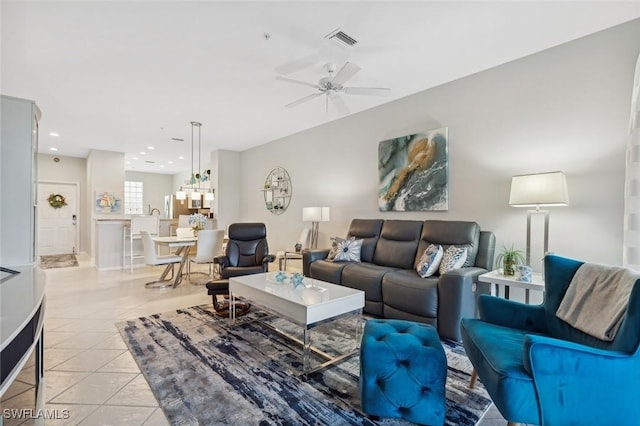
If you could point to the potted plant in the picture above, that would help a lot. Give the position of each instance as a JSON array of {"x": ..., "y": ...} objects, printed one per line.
[{"x": 509, "y": 258}]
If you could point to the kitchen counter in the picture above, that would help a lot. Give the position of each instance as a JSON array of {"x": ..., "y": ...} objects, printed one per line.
[
  {"x": 22, "y": 305},
  {"x": 110, "y": 240}
]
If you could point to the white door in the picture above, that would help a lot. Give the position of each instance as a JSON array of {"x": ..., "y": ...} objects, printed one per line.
[{"x": 57, "y": 227}]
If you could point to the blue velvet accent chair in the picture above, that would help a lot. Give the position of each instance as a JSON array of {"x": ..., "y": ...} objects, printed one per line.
[
  {"x": 540, "y": 370},
  {"x": 403, "y": 371}
]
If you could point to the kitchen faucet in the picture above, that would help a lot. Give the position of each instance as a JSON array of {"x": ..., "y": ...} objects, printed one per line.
[{"x": 151, "y": 210}]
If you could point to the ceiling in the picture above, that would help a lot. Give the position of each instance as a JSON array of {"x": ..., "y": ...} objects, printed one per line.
[{"x": 123, "y": 76}]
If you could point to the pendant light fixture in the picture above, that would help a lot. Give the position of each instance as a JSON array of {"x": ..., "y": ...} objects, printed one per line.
[
  {"x": 195, "y": 195},
  {"x": 196, "y": 178},
  {"x": 181, "y": 195}
]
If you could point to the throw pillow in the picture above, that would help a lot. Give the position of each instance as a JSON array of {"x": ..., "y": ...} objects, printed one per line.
[
  {"x": 334, "y": 247},
  {"x": 348, "y": 250},
  {"x": 430, "y": 260},
  {"x": 453, "y": 258}
]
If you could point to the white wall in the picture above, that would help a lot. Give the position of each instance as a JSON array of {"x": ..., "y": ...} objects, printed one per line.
[
  {"x": 155, "y": 187},
  {"x": 105, "y": 172},
  {"x": 225, "y": 179},
  {"x": 565, "y": 108}
]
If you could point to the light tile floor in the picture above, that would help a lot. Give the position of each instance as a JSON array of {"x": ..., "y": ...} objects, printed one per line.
[{"x": 90, "y": 377}]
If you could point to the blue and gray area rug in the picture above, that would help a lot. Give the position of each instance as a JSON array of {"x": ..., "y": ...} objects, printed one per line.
[{"x": 204, "y": 372}]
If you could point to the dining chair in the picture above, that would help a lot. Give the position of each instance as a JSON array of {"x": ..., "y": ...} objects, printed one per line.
[
  {"x": 152, "y": 258},
  {"x": 183, "y": 221},
  {"x": 184, "y": 232},
  {"x": 209, "y": 246}
]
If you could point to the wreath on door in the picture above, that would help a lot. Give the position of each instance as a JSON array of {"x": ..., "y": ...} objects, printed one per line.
[{"x": 57, "y": 201}]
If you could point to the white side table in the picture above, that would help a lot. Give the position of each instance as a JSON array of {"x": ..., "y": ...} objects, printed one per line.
[{"x": 497, "y": 278}]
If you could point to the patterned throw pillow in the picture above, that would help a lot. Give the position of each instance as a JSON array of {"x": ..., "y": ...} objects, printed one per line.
[
  {"x": 334, "y": 247},
  {"x": 454, "y": 257},
  {"x": 430, "y": 260},
  {"x": 348, "y": 250}
]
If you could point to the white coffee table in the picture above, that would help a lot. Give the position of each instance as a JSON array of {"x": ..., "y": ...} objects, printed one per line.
[{"x": 307, "y": 306}]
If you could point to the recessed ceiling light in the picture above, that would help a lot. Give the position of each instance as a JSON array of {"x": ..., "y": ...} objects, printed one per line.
[
  {"x": 170, "y": 162},
  {"x": 151, "y": 148},
  {"x": 181, "y": 158},
  {"x": 127, "y": 162},
  {"x": 134, "y": 158},
  {"x": 161, "y": 165},
  {"x": 53, "y": 149},
  {"x": 143, "y": 153},
  {"x": 54, "y": 134}
]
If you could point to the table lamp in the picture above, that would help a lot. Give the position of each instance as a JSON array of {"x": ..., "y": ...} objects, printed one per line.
[
  {"x": 538, "y": 190},
  {"x": 315, "y": 215}
]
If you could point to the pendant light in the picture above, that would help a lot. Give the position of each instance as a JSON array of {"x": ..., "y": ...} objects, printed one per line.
[{"x": 195, "y": 195}]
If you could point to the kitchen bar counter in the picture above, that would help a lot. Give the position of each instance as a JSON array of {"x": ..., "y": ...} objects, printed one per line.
[{"x": 109, "y": 240}]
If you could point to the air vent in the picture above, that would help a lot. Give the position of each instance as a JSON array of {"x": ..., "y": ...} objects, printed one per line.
[
  {"x": 150, "y": 162},
  {"x": 177, "y": 140},
  {"x": 341, "y": 37}
]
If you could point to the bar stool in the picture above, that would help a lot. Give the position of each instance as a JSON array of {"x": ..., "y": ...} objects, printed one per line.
[{"x": 150, "y": 224}]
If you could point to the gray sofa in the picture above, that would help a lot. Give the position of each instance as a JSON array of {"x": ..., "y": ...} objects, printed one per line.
[{"x": 387, "y": 273}]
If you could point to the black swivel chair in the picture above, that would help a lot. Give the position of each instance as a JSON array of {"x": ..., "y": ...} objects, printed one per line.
[{"x": 247, "y": 252}]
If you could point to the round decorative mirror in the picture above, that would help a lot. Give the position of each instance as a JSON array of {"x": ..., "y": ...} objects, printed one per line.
[{"x": 277, "y": 190}]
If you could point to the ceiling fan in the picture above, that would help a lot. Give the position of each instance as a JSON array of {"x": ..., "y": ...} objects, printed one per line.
[{"x": 332, "y": 87}]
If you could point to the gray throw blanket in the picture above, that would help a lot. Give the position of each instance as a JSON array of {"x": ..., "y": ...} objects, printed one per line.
[{"x": 597, "y": 299}]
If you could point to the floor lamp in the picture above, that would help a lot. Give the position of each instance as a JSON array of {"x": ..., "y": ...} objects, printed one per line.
[
  {"x": 315, "y": 215},
  {"x": 538, "y": 190}
]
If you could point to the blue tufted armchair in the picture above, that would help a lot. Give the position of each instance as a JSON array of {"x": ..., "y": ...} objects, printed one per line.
[{"x": 540, "y": 370}]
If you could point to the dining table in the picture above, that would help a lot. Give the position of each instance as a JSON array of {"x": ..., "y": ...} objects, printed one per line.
[{"x": 183, "y": 246}]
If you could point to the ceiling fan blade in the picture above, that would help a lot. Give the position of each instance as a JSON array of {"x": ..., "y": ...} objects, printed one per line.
[
  {"x": 303, "y": 100},
  {"x": 304, "y": 83},
  {"x": 370, "y": 91},
  {"x": 339, "y": 104},
  {"x": 348, "y": 70}
]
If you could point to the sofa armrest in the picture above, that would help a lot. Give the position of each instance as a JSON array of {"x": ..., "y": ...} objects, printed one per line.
[
  {"x": 568, "y": 375},
  {"x": 456, "y": 300},
  {"x": 311, "y": 255},
  {"x": 509, "y": 313}
]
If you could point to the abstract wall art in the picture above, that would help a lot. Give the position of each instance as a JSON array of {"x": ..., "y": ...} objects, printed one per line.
[
  {"x": 108, "y": 202},
  {"x": 414, "y": 172}
]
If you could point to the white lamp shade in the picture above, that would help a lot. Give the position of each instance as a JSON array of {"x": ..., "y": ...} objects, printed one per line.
[
  {"x": 195, "y": 195},
  {"x": 208, "y": 196},
  {"x": 539, "y": 189},
  {"x": 181, "y": 195},
  {"x": 315, "y": 214}
]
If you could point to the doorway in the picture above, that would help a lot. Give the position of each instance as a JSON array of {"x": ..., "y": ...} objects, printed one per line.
[{"x": 58, "y": 227}]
